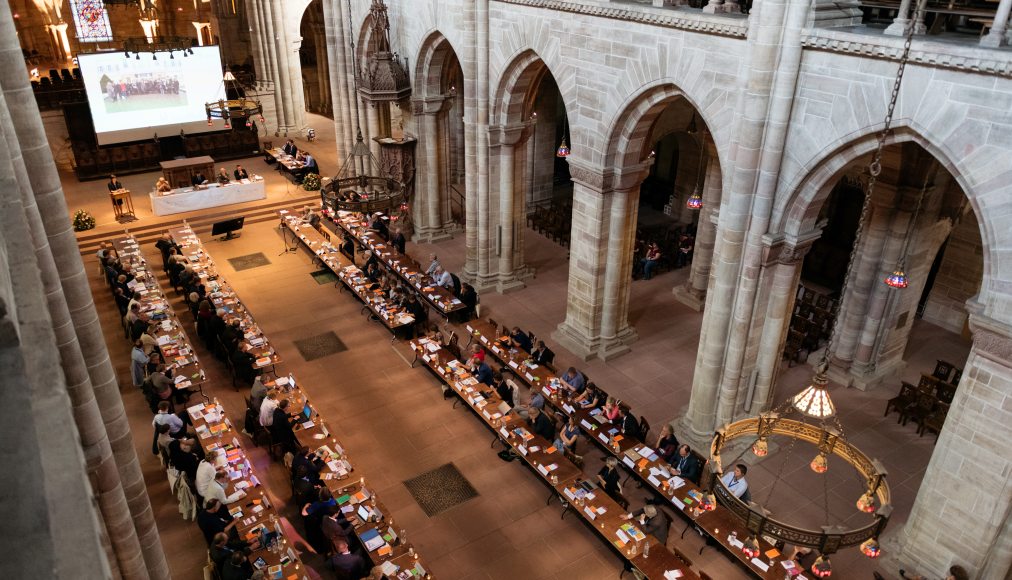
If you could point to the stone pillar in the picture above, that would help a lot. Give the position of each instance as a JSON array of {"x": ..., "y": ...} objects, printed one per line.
[
  {"x": 600, "y": 266},
  {"x": 45, "y": 183},
  {"x": 693, "y": 292},
  {"x": 781, "y": 273},
  {"x": 616, "y": 334},
  {"x": 273, "y": 75},
  {"x": 510, "y": 271},
  {"x": 341, "y": 93},
  {"x": 432, "y": 198},
  {"x": 865, "y": 275},
  {"x": 903, "y": 18},
  {"x": 469, "y": 67},
  {"x": 481, "y": 85},
  {"x": 973, "y": 441},
  {"x": 996, "y": 36},
  {"x": 721, "y": 7},
  {"x": 256, "y": 39},
  {"x": 771, "y": 80}
]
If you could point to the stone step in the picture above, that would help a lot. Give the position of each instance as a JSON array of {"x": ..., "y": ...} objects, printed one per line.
[{"x": 89, "y": 241}]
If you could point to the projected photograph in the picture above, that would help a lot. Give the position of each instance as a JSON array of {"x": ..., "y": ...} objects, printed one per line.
[{"x": 142, "y": 92}]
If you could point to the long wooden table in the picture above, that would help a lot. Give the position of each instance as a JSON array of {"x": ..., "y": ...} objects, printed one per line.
[
  {"x": 393, "y": 317},
  {"x": 407, "y": 268},
  {"x": 222, "y": 296},
  {"x": 596, "y": 508},
  {"x": 176, "y": 348},
  {"x": 396, "y": 556},
  {"x": 641, "y": 460}
]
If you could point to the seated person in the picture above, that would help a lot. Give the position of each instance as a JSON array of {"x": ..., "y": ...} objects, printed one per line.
[
  {"x": 667, "y": 444},
  {"x": 612, "y": 410},
  {"x": 591, "y": 398},
  {"x": 686, "y": 465},
  {"x": 310, "y": 216},
  {"x": 444, "y": 278},
  {"x": 609, "y": 477},
  {"x": 185, "y": 455},
  {"x": 198, "y": 178},
  {"x": 570, "y": 435},
  {"x": 433, "y": 265},
  {"x": 520, "y": 339},
  {"x": 735, "y": 481},
  {"x": 484, "y": 373},
  {"x": 378, "y": 225},
  {"x": 573, "y": 380},
  {"x": 240, "y": 173},
  {"x": 163, "y": 185},
  {"x": 542, "y": 424},
  {"x": 629, "y": 426},
  {"x": 309, "y": 163},
  {"x": 290, "y": 148},
  {"x": 542, "y": 355},
  {"x": 348, "y": 247},
  {"x": 652, "y": 521},
  {"x": 223, "y": 176},
  {"x": 281, "y": 426},
  {"x": 350, "y": 564},
  {"x": 503, "y": 389},
  {"x": 469, "y": 298},
  {"x": 238, "y": 567},
  {"x": 398, "y": 241}
]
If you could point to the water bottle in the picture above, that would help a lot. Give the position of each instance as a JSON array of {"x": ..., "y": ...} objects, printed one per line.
[{"x": 646, "y": 549}]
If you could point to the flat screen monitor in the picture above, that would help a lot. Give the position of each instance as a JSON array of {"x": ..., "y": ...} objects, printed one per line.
[
  {"x": 133, "y": 97},
  {"x": 227, "y": 227},
  {"x": 307, "y": 411}
]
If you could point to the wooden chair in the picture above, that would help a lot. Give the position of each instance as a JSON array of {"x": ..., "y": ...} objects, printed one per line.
[
  {"x": 945, "y": 392},
  {"x": 644, "y": 428},
  {"x": 920, "y": 411},
  {"x": 704, "y": 576},
  {"x": 956, "y": 376},
  {"x": 943, "y": 370},
  {"x": 453, "y": 345},
  {"x": 934, "y": 421},
  {"x": 495, "y": 328},
  {"x": 576, "y": 459},
  {"x": 901, "y": 402},
  {"x": 927, "y": 384}
]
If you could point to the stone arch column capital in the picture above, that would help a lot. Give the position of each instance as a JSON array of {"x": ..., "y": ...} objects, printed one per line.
[
  {"x": 429, "y": 105},
  {"x": 992, "y": 338},
  {"x": 606, "y": 180},
  {"x": 788, "y": 249},
  {"x": 507, "y": 135}
]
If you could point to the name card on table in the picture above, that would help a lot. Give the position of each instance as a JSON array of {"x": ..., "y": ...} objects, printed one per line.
[
  {"x": 469, "y": 329},
  {"x": 513, "y": 364},
  {"x": 546, "y": 391},
  {"x": 496, "y": 350},
  {"x": 440, "y": 370},
  {"x": 654, "y": 480},
  {"x": 735, "y": 542},
  {"x": 760, "y": 564},
  {"x": 425, "y": 357},
  {"x": 622, "y": 537},
  {"x": 529, "y": 376},
  {"x": 628, "y": 461},
  {"x": 542, "y": 470},
  {"x": 523, "y": 450},
  {"x": 589, "y": 427},
  {"x": 484, "y": 339},
  {"x": 569, "y": 410},
  {"x": 505, "y": 434},
  {"x": 678, "y": 503},
  {"x": 590, "y": 513}
]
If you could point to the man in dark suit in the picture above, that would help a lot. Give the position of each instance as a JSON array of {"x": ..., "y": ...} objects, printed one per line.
[
  {"x": 290, "y": 148},
  {"x": 197, "y": 178},
  {"x": 541, "y": 424},
  {"x": 114, "y": 184},
  {"x": 351, "y": 564},
  {"x": 237, "y": 567},
  {"x": 687, "y": 466},
  {"x": 281, "y": 428},
  {"x": 543, "y": 355},
  {"x": 652, "y": 521},
  {"x": 185, "y": 456},
  {"x": 240, "y": 173},
  {"x": 629, "y": 425}
]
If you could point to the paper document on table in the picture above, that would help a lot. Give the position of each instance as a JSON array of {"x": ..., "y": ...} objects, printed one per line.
[
  {"x": 676, "y": 482},
  {"x": 673, "y": 574},
  {"x": 432, "y": 347},
  {"x": 621, "y": 536},
  {"x": 389, "y": 568},
  {"x": 164, "y": 340}
]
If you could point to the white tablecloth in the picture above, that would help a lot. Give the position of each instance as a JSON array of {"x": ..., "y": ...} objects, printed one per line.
[{"x": 187, "y": 199}]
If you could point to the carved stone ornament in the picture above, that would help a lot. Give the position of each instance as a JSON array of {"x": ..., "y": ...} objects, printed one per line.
[{"x": 992, "y": 345}]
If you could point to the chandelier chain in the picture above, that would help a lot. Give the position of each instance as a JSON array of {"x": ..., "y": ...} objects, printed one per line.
[
  {"x": 780, "y": 470},
  {"x": 874, "y": 169}
]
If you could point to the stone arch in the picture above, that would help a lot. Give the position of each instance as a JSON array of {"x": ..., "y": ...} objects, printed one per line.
[
  {"x": 517, "y": 85},
  {"x": 798, "y": 211},
  {"x": 434, "y": 54},
  {"x": 626, "y": 145}
]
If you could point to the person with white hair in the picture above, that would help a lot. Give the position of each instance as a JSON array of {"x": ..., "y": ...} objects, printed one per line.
[{"x": 651, "y": 521}]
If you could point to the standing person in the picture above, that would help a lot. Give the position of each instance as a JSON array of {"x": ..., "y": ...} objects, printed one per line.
[
  {"x": 685, "y": 244},
  {"x": 398, "y": 241},
  {"x": 114, "y": 184},
  {"x": 138, "y": 361}
]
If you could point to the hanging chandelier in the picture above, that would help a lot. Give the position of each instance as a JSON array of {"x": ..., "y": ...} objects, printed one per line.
[{"x": 241, "y": 107}]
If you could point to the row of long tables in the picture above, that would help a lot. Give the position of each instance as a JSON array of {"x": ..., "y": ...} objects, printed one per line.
[
  {"x": 373, "y": 527},
  {"x": 394, "y": 317},
  {"x": 257, "y": 517},
  {"x": 602, "y": 513},
  {"x": 406, "y": 267},
  {"x": 720, "y": 525},
  {"x": 177, "y": 352}
]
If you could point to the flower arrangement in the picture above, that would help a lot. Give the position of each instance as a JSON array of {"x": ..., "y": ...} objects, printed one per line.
[
  {"x": 311, "y": 182},
  {"x": 83, "y": 221}
]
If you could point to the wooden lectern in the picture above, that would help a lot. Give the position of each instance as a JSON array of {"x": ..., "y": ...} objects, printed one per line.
[{"x": 122, "y": 203}]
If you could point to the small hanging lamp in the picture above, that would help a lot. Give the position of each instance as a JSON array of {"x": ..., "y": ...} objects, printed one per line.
[
  {"x": 871, "y": 548},
  {"x": 898, "y": 279},
  {"x": 695, "y": 201},
  {"x": 821, "y": 568},
  {"x": 867, "y": 503},
  {"x": 750, "y": 547},
  {"x": 819, "y": 464},
  {"x": 761, "y": 448},
  {"x": 563, "y": 150}
]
